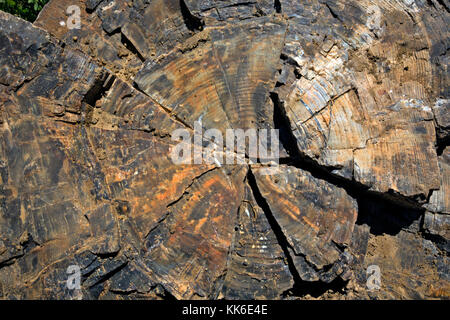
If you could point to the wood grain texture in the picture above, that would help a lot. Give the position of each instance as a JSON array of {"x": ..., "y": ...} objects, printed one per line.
[{"x": 357, "y": 89}]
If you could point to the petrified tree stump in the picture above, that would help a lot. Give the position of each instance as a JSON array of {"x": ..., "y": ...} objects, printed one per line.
[{"x": 358, "y": 89}]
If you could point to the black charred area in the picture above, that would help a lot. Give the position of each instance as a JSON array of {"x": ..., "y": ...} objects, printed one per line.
[
  {"x": 192, "y": 22},
  {"x": 99, "y": 89},
  {"x": 277, "y": 6}
]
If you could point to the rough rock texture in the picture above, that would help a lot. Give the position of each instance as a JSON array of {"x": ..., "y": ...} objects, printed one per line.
[{"x": 358, "y": 89}]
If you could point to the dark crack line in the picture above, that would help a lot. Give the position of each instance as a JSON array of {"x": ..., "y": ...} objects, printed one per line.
[
  {"x": 109, "y": 275},
  {"x": 11, "y": 260},
  {"x": 169, "y": 112},
  {"x": 98, "y": 90},
  {"x": 301, "y": 161},
  {"x": 131, "y": 47},
  {"x": 334, "y": 14}
]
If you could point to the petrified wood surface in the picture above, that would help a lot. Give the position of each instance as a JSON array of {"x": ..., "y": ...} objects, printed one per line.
[{"x": 358, "y": 89}]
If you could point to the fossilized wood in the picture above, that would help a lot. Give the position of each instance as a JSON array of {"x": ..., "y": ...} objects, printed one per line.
[
  {"x": 437, "y": 220},
  {"x": 119, "y": 34},
  {"x": 315, "y": 216},
  {"x": 353, "y": 82},
  {"x": 358, "y": 89},
  {"x": 217, "y": 12},
  {"x": 223, "y": 82},
  {"x": 74, "y": 203},
  {"x": 257, "y": 267}
]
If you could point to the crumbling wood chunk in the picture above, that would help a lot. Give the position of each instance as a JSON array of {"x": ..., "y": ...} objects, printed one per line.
[
  {"x": 90, "y": 113},
  {"x": 441, "y": 110}
]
